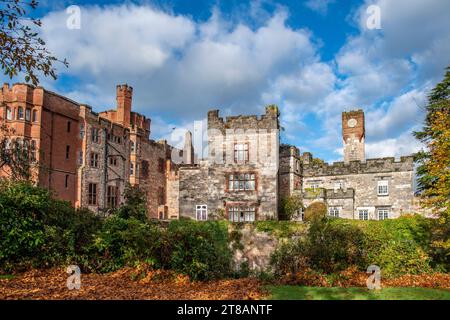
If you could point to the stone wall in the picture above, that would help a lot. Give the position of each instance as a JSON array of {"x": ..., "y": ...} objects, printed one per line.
[
  {"x": 255, "y": 250},
  {"x": 362, "y": 179},
  {"x": 112, "y": 150},
  {"x": 208, "y": 183}
]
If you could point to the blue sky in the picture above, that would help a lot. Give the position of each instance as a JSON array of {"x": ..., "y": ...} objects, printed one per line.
[{"x": 313, "y": 59}]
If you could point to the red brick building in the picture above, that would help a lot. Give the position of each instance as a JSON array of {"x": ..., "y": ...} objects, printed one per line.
[{"x": 87, "y": 158}]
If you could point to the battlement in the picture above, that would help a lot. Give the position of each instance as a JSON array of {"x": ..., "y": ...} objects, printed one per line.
[
  {"x": 287, "y": 150},
  {"x": 124, "y": 88},
  {"x": 377, "y": 165},
  {"x": 269, "y": 120}
]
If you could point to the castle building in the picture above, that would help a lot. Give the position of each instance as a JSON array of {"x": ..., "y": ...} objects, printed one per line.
[
  {"x": 88, "y": 158},
  {"x": 239, "y": 179},
  {"x": 247, "y": 173}
]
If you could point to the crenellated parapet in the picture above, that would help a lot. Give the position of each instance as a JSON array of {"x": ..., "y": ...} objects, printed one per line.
[
  {"x": 377, "y": 165},
  {"x": 269, "y": 120}
]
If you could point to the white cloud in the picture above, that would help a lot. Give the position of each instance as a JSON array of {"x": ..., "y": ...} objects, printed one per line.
[
  {"x": 175, "y": 64},
  {"x": 319, "y": 6},
  {"x": 405, "y": 144},
  {"x": 180, "y": 67}
]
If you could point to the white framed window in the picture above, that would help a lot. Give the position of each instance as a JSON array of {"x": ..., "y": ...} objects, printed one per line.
[
  {"x": 363, "y": 214},
  {"x": 80, "y": 158},
  {"x": 241, "y": 182},
  {"x": 241, "y": 152},
  {"x": 131, "y": 169},
  {"x": 383, "y": 188},
  {"x": 334, "y": 212},
  {"x": 9, "y": 114},
  {"x": 132, "y": 146},
  {"x": 201, "y": 212},
  {"x": 383, "y": 213},
  {"x": 241, "y": 214}
]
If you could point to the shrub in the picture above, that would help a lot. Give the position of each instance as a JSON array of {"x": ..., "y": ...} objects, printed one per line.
[
  {"x": 38, "y": 231},
  {"x": 397, "y": 246},
  {"x": 199, "y": 250},
  {"x": 316, "y": 211},
  {"x": 126, "y": 242},
  {"x": 290, "y": 206}
]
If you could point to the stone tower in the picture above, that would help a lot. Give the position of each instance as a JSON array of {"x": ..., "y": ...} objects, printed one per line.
[
  {"x": 353, "y": 134},
  {"x": 124, "y": 96},
  {"x": 188, "y": 150}
]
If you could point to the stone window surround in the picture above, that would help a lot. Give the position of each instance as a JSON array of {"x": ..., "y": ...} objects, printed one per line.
[
  {"x": 227, "y": 181},
  {"x": 92, "y": 194},
  {"x": 93, "y": 162},
  {"x": 334, "y": 211},
  {"x": 112, "y": 196},
  {"x": 364, "y": 213},
  {"x": 246, "y": 152},
  {"x": 382, "y": 187},
  {"x": 200, "y": 209},
  {"x": 252, "y": 204},
  {"x": 385, "y": 210}
]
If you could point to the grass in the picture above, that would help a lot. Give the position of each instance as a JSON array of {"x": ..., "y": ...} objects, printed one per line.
[
  {"x": 337, "y": 293},
  {"x": 281, "y": 229},
  {"x": 6, "y": 276}
]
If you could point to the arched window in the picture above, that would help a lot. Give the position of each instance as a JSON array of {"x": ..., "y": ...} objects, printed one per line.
[{"x": 20, "y": 113}]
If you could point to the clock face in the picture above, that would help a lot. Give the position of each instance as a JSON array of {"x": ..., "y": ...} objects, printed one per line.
[{"x": 352, "y": 122}]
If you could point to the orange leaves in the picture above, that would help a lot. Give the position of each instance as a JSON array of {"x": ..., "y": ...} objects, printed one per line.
[{"x": 126, "y": 284}]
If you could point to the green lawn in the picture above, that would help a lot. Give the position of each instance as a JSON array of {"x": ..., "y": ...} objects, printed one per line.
[
  {"x": 335, "y": 293},
  {"x": 6, "y": 276}
]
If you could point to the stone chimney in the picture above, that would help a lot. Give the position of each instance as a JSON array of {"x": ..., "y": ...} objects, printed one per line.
[
  {"x": 188, "y": 150},
  {"x": 124, "y": 96}
]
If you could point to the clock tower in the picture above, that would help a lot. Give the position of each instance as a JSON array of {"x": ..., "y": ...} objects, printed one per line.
[{"x": 353, "y": 134}]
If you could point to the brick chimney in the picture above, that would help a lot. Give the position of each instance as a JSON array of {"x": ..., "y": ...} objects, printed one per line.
[{"x": 124, "y": 97}]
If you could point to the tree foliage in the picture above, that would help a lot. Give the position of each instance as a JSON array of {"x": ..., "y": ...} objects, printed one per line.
[
  {"x": 290, "y": 206},
  {"x": 21, "y": 48},
  {"x": 316, "y": 211},
  {"x": 434, "y": 163},
  {"x": 16, "y": 158},
  {"x": 135, "y": 205}
]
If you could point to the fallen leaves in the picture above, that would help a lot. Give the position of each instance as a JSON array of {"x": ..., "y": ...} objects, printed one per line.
[
  {"x": 354, "y": 278},
  {"x": 127, "y": 284}
]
